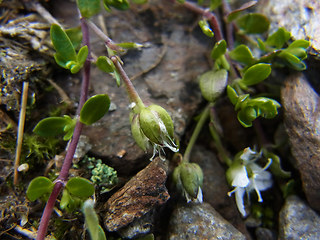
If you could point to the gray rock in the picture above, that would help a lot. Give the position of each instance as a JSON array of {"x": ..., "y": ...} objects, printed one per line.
[
  {"x": 298, "y": 221},
  {"x": 302, "y": 124},
  {"x": 200, "y": 221},
  {"x": 300, "y": 17}
]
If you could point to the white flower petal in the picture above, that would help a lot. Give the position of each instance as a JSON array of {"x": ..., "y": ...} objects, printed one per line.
[
  {"x": 240, "y": 177},
  {"x": 239, "y": 192},
  {"x": 248, "y": 154}
]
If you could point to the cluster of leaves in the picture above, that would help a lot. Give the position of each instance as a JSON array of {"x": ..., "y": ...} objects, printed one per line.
[{"x": 76, "y": 191}]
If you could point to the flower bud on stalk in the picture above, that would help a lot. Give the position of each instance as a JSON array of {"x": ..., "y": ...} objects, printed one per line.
[
  {"x": 153, "y": 126},
  {"x": 189, "y": 179}
]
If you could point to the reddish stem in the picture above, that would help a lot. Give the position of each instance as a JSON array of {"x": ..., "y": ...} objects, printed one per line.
[{"x": 63, "y": 176}]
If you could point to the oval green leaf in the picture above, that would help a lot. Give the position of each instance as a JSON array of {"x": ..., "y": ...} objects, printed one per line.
[
  {"x": 82, "y": 55},
  {"x": 38, "y": 187},
  {"x": 279, "y": 38},
  {"x": 105, "y": 64},
  {"x": 75, "y": 36},
  {"x": 80, "y": 187},
  {"x": 52, "y": 126},
  {"x": 242, "y": 54},
  {"x": 204, "y": 25},
  {"x": 219, "y": 49},
  {"x": 62, "y": 44},
  {"x": 213, "y": 84},
  {"x": 88, "y": 8},
  {"x": 235, "y": 13},
  {"x": 232, "y": 95},
  {"x": 254, "y": 23},
  {"x": 94, "y": 109},
  {"x": 118, "y": 4},
  {"x": 256, "y": 74}
]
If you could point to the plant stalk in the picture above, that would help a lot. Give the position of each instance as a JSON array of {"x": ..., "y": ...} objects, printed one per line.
[
  {"x": 63, "y": 176},
  {"x": 196, "y": 132}
]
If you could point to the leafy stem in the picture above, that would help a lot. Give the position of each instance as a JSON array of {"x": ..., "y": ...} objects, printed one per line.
[{"x": 63, "y": 176}]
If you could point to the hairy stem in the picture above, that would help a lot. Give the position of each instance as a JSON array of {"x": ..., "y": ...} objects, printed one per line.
[
  {"x": 63, "y": 176},
  {"x": 196, "y": 132}
]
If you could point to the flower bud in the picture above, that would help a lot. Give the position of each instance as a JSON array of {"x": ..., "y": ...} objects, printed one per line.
[
  {"x": 157, "y": 126},
  {"x": 138, "y": 135},
  {"x": 189, "y": 178}
]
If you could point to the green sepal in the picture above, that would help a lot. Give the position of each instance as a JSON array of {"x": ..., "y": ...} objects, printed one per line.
[
  {"x": 254, "y": 23},
  {"x": 138, "y": 134},
  {"x": 242, "y": 54},
  {"x": 88, "y": 8},
  {"x": 94, "y": 109},
  {"x": 205, "y": 27},
  {"x": 275, "y": 167},
  {"x": 219, "y": 49},
  {"x": 65, "y": 51},
  {"x": 246, "y": 116},
  {"x": 278, "y": 38},
  {"x": 39, "y": 187},
  {"x": 213, "y": 83},
  {"x": 191, "y": 176},
  {"x": 256, "y": 74},
  {"x": 105, "y": 64},
  {"x": 80, "y": 187}
]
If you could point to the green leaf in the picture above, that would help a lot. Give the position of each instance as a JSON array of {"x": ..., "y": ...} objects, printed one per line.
[
  {"x": 235, "y": 13},
  {"x": 38, "y": 187},
  {"x": 204, "y": 25},
  {"x": 292, "y": 61},
  {"x": 92, "y": 221},
  {"x": 219, "y": 49},
  {"x": 75, "y": 36},
  {"x": 254, "y": 23},
  {"x": 242, "y": 54},
  {"x": 246, "y": 116},
  {"x": 94, "y": 109},
  {"x": 299, "y": 44},
  {"x": 232, "y": 95},
  {"x": 256, "y": 74},
  {"x": 65, "y": 199},
  {"x": 80, "y": 187},
  {"x": 279, "y": 38},
  {"x": 129, "y": 45},
  {"x": 105, "y": 64},
  {"x": 213, "y": 84},
  {"x": 51, "y": 127},
  {"x": 88, "y": 8},
  {"x": 118, "y": 4},
  {"x": 261, "y": 44},
  {"x": 268, "y": 107},
  {"x": 82, "y": 55},
  {"x": 117, "y": 77},
  {"x": 63, "y": 45},
  {"x": 214, "y": 4}
]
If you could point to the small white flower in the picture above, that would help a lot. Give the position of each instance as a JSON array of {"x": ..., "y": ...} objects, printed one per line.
[{"x": 245, "y": 176}]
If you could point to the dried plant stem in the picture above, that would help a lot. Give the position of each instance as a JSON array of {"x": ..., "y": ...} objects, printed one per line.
[{"x": 22, "y": 119}]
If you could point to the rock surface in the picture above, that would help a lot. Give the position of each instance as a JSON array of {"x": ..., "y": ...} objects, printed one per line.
[
  {"x": 302, "y": 124},
  {"x": 137, "y": 197},
  {"x": 298, "y": 221},
  {"x": 200, "y": 221},
  {"x": 300, "y": 17}
]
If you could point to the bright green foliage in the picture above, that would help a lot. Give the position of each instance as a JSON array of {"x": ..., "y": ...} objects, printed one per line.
[
  {"x": 279, "y": 38},
  {"x": 39, "y": 187},
  {"x": 69, "y": 202},
  {"x": 66, "y": 55},
  {"x": 92, "y": 221},
  {"x": 254, "y": 23},
  {"x": 213, "y": 84},
  {"x": 117, "y": 4},
  {"x": 255, "y": 74},
  {"x": 105, "y": 64},
  {"x": 219, "y": 49},
  {"x": 204, "y": 25},
  {"x": 251, "y": 108},
  {"x": 214, "y": 4},
  {"x": 80, "y": 187},
  {"x": 242, "y": 54},
  {"x": 295, "y": 53},
  {"x": 94, "y": 109},
  {"x": 54, "y": 126},
  {"x": 235, "y": 13},
  {"x": 129, "y": 45},
  {"x": 75, "y": 36},
  {"x": 217, "y": 54},
  {"x": 88, "y": 8}
]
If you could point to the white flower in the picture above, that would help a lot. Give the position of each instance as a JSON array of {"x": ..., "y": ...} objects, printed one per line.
[{"x": 245, "y": 176}]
